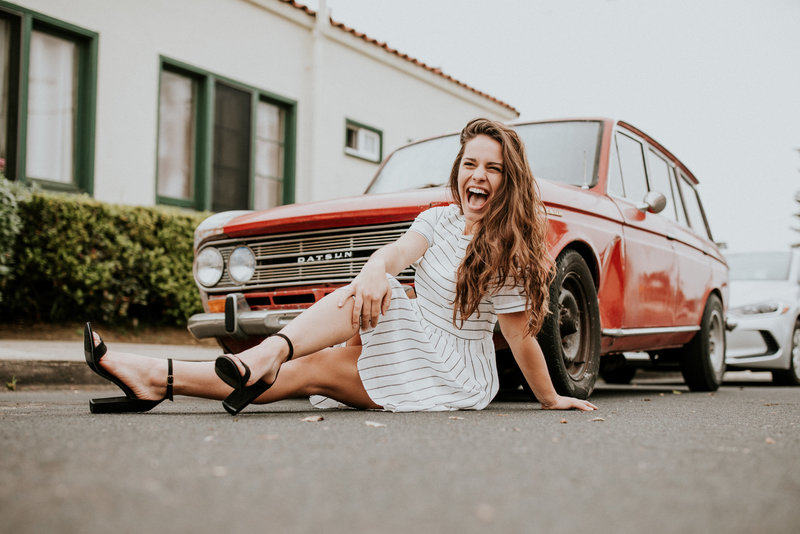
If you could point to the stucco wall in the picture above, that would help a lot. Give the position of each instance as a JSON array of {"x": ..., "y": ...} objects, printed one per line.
[{"x": 264, "y": 44}]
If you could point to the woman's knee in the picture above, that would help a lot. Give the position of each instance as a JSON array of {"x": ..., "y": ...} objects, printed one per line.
[{"x": 330, "y": 370}]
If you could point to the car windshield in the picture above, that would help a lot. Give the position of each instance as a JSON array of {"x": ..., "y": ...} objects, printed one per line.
[
  {"x": 759, "y": 265},
  {"x": 564, "y": 152}
]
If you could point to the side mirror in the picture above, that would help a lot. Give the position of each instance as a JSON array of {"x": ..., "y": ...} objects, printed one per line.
[{"x": 654, "y": 202}]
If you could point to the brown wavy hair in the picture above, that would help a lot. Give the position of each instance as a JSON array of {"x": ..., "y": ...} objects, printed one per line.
[{"x": 509, "y": 242}]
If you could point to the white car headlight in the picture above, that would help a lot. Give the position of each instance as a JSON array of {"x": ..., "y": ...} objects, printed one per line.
[
  {"x": 760, "y": 308},
  {"x": 242, "y": 265},
  {"x": 208, "y": 266}
]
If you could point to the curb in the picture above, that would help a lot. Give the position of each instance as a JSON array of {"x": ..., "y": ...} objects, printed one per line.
[
  {"x": 25, "y": 373},
  {"x": 61, "y": 364}
]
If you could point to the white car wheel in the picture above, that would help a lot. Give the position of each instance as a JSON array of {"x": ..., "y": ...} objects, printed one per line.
[{"x": 791, "y": 376}]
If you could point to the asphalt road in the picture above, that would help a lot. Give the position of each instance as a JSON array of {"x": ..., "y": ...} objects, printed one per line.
[{"x": 654, "y": 459}]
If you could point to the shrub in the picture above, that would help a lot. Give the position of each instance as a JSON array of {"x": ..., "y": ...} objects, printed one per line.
[
  {"x": 10, "y": 226},
  {"x": 78, "y": 259}
]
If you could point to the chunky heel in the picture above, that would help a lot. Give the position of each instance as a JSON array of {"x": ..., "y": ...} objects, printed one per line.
[
  {"x": 127, "y": 404},
  {"x": 242, "y": 395}
]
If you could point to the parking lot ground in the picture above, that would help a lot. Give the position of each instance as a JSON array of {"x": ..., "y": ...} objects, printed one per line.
[{"x": 655, "y": 458}]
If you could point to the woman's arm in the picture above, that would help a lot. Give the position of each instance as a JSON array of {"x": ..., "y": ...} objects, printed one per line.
[
  {"x": 531, "y": 362},
  {"x": 370, "y": 288}
]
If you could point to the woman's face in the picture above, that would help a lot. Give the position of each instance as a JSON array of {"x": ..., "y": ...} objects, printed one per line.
[{"x": 480, "y": 174}]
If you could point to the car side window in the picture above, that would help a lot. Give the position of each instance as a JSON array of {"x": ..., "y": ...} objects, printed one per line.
[
  {"x": 631, "y": 159},
  {"x": 694, "y": 210},
  {"x": 679, "y": 209},
  {"x": 659, "y": 182},
  {"x": 615, "y": 185}
]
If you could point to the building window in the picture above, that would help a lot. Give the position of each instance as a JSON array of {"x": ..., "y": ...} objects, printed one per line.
[
  {"x": 52, "y": 103},
  {"x": 5, "y": 60},
  {"x": 222, "y": 145},
  {"x": 363, "y": 141},
  {"x": 48, "y": 95},
  {"x": 176, "y": 124},
  {"x": 270, "y": 155}
]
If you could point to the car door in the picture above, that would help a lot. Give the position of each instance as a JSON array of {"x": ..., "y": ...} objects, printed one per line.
[
  {"x": 692, "y": 250},
  {"x": 651, "y": 270}
]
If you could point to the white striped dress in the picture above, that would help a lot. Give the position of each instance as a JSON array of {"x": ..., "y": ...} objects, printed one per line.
[{"x": 416, "y": 359}]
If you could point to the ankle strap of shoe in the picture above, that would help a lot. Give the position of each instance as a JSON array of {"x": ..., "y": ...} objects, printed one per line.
[
  {"x": 170, "y": 378},
  {"x": 289, "y": 341}
]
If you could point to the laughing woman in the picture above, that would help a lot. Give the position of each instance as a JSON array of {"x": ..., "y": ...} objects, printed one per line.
[{"x": 479, "y": 261}]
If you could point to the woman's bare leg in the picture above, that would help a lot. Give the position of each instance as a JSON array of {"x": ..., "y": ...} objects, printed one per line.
[
  {"x": 321, "y": 326},
  {"x": 316, "y": 329},
  {"x": 147, "y": 377},
  {"x": 331, "y": 372}
]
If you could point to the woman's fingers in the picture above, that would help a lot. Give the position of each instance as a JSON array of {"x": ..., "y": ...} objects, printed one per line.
[
  {"x": 357, "y": 307},
  {"x": 569, "y": 403},
  {"x": 368, "y": 306},
  {"x": 585, "y": 406},
  {"x": 387, "y": 299},
  {"x": 345, "y": 293}
]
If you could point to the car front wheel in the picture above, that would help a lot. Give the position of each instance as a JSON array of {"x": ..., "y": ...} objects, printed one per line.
[
  {"x": 703, "y": 358},
  {"x": 791, "y": 376},
  {"x": 570, "y": 335}
]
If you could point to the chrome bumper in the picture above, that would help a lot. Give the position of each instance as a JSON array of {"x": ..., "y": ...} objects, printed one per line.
[{"x": 239, "y": 321}]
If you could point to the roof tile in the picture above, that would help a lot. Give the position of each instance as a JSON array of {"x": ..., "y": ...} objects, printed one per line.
[{"x": 385, "y": 46}]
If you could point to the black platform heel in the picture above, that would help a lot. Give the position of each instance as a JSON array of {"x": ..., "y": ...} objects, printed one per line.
[
  {"x": 242, "y": 395},
  {"x": 127, "y": 404}
]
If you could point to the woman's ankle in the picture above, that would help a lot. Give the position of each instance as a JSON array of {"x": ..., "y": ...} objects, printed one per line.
[{"x": 156, "y": 377}]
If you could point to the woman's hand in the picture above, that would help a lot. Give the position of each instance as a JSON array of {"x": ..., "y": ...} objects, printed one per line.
[
  {"x": 370, "y": 290},
  {"x": 569, "y": 403},
  {"x": 371, "y": 293}
]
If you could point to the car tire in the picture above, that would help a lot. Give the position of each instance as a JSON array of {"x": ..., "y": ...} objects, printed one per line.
[
  {"x": 703, "y": 358},
  {"x": 570, "y": 334},
  {"x": 791, "y": 376}
]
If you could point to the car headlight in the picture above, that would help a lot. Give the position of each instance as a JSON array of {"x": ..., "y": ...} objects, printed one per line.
[
  {"x": 208, "y": 266},
  {"x": 760, "y": 308},
  {"x": 242, "y": 265}
]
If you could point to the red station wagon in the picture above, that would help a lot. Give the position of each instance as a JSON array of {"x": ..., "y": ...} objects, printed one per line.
[{"x": 637, "y": 269}]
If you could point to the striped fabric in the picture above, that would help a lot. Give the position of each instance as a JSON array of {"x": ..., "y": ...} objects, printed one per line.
[{"x": 416, "y": 359}]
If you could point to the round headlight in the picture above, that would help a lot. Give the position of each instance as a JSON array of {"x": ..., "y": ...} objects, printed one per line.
[
  {"x": 242, "y": 265},
  {"x": 208, "y": 266}
]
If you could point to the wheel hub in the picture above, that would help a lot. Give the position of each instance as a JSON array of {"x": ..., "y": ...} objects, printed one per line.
[{"x": 570, "y": 328}]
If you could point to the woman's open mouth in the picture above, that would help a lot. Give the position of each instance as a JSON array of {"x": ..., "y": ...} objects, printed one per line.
[{"x": 477, "y": 197}]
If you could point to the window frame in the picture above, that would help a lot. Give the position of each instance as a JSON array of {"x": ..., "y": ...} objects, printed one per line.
[
  {"x": 698, "y": 202},
  {"x": 669, "y": 195},
  {"x": 23, "y": 22},
  {"x": 626, "y": 184},
  {"x": 356, "y": 152},
  {"x": 204, "y": 134}
]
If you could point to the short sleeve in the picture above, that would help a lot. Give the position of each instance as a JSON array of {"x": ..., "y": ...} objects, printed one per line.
[
  {"x": 425, "y": 223},
  {"x": 509, "y": 299}
]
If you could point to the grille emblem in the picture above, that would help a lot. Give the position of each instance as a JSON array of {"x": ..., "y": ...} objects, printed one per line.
[{"x": 324, "y": 257}]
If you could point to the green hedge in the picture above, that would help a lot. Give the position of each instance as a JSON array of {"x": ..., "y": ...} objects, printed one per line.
[{"x": 75, "y": 258}]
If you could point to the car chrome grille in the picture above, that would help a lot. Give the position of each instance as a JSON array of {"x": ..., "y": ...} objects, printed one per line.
[{"x": 308, "y": 258}]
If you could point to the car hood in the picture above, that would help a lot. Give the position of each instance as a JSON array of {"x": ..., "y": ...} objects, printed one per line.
[
  {"x": 341, "y": 212},
  {"x": 745, "y": 292},
  {"x": 376, "y": 209}
]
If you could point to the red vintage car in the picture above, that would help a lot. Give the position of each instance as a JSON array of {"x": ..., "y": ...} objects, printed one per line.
[{"x": 637, "y": 269}]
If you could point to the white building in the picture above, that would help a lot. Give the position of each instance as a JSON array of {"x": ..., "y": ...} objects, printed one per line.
[{"x": 210, "y": 104}]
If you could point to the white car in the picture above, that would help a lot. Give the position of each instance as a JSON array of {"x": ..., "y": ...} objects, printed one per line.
[{"x": 765, "y": 306}]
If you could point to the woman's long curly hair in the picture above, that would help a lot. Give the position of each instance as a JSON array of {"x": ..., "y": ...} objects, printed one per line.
[{"x": 509, "y": 242}]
